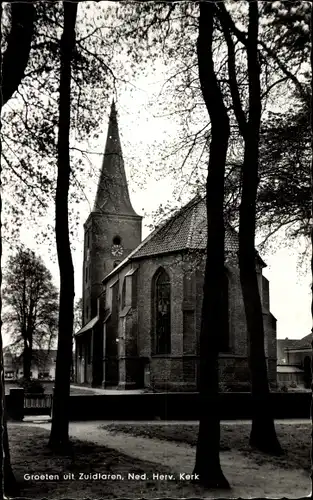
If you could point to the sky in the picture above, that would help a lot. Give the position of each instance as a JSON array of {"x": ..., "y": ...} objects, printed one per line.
[
  {"x": 289, "y": 285},
  {"x": 144, "y": 136}
]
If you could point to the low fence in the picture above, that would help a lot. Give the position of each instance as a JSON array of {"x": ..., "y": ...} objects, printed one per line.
[
  {"x": 37, "y": 404},
  {"x": 19, "y": 404},
  {"x": 165, "y": 406},
  {"x": 181, "y": 406}
]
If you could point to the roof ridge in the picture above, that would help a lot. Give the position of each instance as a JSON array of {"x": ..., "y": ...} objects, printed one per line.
[{"x": 191, "y": 227}]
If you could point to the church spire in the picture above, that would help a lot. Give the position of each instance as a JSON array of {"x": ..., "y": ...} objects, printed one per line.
[{"x": 112, "y": 193}]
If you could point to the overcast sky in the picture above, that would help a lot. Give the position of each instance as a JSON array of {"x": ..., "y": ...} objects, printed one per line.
[
  {"x": 143, "y": 137},
  {"x": 289, "y": 288}
]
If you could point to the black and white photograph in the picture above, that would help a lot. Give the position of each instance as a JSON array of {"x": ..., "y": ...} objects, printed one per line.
[{"x": 156, "y": 296}]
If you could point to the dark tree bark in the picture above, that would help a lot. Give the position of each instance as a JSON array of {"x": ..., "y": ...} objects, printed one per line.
[
  {"x": 207, "y": 464},
  {"x": 59, "y": 437},
  {"x": 8, "y": 483},
  {"x": 312, "y": 202},
  {"x": 27, "y": 359},
  {"x": 16, "y": 56},
  {"x": 263, "y": 434},
  {"x": 13, "y": 64}
]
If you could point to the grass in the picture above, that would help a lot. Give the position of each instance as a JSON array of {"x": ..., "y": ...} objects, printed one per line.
[
  {"x": 295, "y": 439},
  {"x": 30, "y": 455}
]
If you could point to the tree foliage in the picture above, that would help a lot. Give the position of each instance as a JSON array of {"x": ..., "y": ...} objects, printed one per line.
[
  {"x": 167, "y": 32},
  {"x": 30, "y": 118},
  {"x": 31, "y": 301},
  {"x": 13, "y": 65},
  {"x": 78, "y": 315}
]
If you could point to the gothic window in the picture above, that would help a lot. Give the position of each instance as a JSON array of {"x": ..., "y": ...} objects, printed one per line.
[
  {"x": 162, "y": 312},
  {"x": 124, "y": 294},
  {"x": 224, "y": 338},
  {"x": 88, "y": 350}
]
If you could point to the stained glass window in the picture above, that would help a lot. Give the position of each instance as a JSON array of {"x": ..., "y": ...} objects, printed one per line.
[{"x": 163, "y": 313}]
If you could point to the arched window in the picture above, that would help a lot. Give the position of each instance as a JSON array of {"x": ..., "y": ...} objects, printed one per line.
[
  {"x": 123, "y": 294},
  {"x": 162, "y": 312},
  {"x": 224, "y": 338}
]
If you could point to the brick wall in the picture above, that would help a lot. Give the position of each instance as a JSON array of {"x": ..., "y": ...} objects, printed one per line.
[
  {"x": 179, "y": 370},
  {"x": 102, "y": 229},
  {"x": 147, "y": 270}
]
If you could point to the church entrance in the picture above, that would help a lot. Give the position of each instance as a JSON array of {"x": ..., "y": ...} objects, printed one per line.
[{"x": 111, "y": 369}]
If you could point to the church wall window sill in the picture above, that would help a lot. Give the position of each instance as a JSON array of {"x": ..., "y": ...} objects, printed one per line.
[
  {"x": 127, "y": 310},
  {"x": 187, "y": 306},
  {"x": 231, "y": 355}
]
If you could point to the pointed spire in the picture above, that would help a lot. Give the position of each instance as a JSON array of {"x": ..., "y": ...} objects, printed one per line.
[{"x": 112, "y": 193}]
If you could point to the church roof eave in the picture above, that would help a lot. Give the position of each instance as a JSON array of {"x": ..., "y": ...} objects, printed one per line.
[
  {"x": 87, "y": 327},
  {"x": 184, "y": 231}
]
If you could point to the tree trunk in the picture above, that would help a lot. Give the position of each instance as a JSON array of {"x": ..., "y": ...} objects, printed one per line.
[
  {"x": 312, "y": 206},
  {"x": 15, "y": 57},
  {"x": 8, "y": 483},
  {"x": 59, "y": 437},
  {"x": 13, "y": 64},
  {"x": 207, "y": 465},
  {"x": 263, "y": 434},
  {"x": 27, "y": 359}
]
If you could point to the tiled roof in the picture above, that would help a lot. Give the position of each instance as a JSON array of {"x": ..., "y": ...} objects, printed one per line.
[
  {"x": 43, "y": 354},
  {"x": 88, "y": 326},
  {"x": 284, "y": 343},
  {"x": 186, "y": 229},
  {"x": 288, "y": 369},
  {"x": 304, "y": 343}
]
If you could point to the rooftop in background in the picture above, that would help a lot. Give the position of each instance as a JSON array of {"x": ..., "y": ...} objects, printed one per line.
[
  {"x": 296, "y": 344},
  {"x": 38, "y": 355}
]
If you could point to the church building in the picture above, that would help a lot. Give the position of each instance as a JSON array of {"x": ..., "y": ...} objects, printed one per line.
[{"x": 142, "y": 300}]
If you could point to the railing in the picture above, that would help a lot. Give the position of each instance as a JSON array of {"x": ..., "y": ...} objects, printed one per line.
[{"x": 37, "y": 404}]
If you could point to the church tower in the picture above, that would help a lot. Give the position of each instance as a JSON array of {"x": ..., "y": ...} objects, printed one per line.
[{"x": 113, "y": 229}]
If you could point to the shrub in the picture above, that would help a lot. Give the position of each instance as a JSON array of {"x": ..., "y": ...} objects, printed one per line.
[
  {"x": 283, "y": 388},
  {"x": 222, "y": 386},
  {"x": 239, "y": 387},
  {"x": 293, "y": 384},
  {"x": 273, "y": 386},
  {"x": 32, "y": 386}
]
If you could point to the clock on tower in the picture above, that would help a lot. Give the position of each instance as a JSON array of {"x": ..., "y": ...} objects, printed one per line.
[{"x": 117, "y": 247}]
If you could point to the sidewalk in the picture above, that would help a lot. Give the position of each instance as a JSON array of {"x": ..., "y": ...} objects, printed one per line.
[
  {"x": 247, "y": 477},
  {"x": 46, "y": 418},
  {"x": 98, "y": 390}
]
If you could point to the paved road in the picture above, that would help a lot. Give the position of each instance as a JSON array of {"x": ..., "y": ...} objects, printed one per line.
[
  {"x": 248, "y": 478},
  {"x": 46, "y": 419}
]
